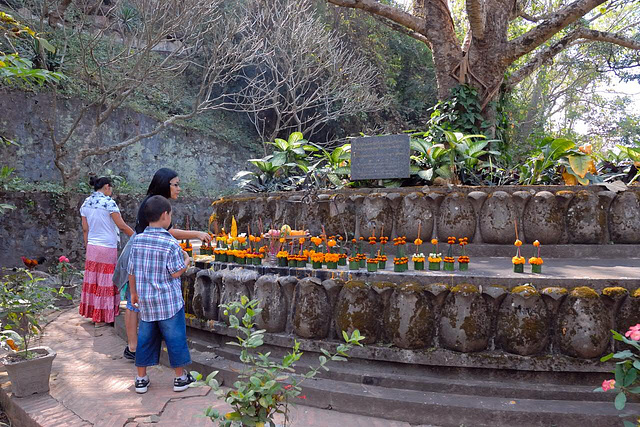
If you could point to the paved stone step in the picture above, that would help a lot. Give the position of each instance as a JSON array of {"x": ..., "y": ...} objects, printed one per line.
[
  {"x": 430, "y": 382},
  {"x": 440, "y": 408}
]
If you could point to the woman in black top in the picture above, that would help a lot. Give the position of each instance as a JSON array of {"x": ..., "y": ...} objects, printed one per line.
[{"x": 166, "y": 182}]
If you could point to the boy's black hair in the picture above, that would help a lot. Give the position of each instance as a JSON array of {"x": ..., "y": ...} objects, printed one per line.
[{"x": 155, "y": 207}]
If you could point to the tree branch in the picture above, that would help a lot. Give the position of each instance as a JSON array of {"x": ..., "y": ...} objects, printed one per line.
[
  {"x": 580, "y": 35},
  {"x": 476, "y": 14},
  {"x": 402, "y": 29},
  {"x": 549, "y": 27},
  {"x": 392, "y": 13}
]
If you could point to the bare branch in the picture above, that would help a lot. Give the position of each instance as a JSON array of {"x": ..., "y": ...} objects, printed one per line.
[
  {"x": 393, "y": 13},
  {"x": 579, "y": 35},
  {"x": 401, "y": 29},
  {"x": 549, "y": 27}
]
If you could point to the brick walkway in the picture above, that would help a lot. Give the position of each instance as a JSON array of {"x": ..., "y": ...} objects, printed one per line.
[{"x": 92, "y": 385}]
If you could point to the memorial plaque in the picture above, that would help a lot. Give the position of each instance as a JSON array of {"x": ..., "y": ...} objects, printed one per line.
[{"x": 380, "y": 157}]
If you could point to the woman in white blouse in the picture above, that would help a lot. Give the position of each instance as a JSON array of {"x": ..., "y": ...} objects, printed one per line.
[{"x": 101, "y": 224}]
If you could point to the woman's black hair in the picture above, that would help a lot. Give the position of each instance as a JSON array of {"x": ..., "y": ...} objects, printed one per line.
[
  {"x": 160, "y": 183},
  {"x": 98, "y": 183}
]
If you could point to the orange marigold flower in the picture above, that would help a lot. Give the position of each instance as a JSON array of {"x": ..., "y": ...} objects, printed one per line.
[
  {"x": 518, "y": 243},
  {"x": 417, "y": 242},
  {"x": 451, "y": 240},
  {"x": 434, "y": 241},
  {"x": 536, "y": 243},
  {"x": 331, "y": 243},
  {"x": 517, "y": 260},
  {"x": 301, "y": 240},
  {"x": 282, "y": 240}
]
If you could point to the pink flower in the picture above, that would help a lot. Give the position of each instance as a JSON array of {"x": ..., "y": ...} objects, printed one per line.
[
  {"x": 608, "y": 385},
  {"x": 63, "y": 259},
  {"x": 633, "y": 332}
]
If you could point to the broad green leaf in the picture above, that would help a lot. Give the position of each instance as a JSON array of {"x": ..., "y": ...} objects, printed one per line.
[
  {"x": 630, "y": 377},
  {"x": 281, "y": 144},
  {"x": 45, "y": 44},
  {"x": 580, "y": 164},
  {"x": 559, "y": 146},
  {"x": 427, "y": 175},
  {"x": 607, "y": 357},
  {"x": 621, "y": 400},
  {"x": 279, "y": 158},
  {"x": 295, "y": 137},
  {"x": 628, "y": 424}
]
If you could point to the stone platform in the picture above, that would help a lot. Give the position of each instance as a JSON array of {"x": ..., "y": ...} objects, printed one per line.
[{"x": 462, "y": 346}]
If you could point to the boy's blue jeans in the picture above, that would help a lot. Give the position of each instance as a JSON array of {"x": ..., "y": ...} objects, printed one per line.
[{"x": 174, "y": 333}]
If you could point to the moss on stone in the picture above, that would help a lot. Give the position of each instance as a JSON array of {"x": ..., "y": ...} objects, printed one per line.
[
  {"x": 554, "y": 290},
  {"x": 465, "y": 288},
  {"x": 614, "y": 291},
  {"x": 525, "y": 290},
  {"x": 356, "y": 284},
  {"x": 583, "y": 292}
]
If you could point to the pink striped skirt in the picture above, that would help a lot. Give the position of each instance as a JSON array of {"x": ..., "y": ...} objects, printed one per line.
[{"x": 100, "y": 297}]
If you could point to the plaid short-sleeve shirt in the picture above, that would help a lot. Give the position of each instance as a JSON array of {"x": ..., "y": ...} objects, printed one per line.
[{"x": 155, "y": 255}]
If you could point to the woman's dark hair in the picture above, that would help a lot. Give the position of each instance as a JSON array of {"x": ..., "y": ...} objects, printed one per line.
[
  {"x": 160, "y": 183},
  {"x": 98, "y": 183}
]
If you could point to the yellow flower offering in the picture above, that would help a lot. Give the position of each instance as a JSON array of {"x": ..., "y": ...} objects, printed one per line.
[{"x": 518, "y": 259}]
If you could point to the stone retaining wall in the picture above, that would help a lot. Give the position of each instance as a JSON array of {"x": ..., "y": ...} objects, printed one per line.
[
  {"x": 553, "y": 215},
  {"x": 522, "y": 321}
]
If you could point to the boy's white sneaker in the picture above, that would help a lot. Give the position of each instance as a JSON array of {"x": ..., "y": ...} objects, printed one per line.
[
  {"x": 142, "y": 384},
  {"x": 181, "y": 384}
]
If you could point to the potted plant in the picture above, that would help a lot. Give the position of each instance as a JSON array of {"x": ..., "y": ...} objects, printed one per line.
[{"x": 24, "y": 301}]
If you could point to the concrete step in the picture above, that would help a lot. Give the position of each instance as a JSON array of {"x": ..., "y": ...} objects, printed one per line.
[
  {"x": 430, "y": 381},
  {"x": 442, "y": 408}
]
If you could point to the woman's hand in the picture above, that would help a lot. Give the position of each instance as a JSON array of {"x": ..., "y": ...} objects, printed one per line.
[{"x": 205, "y": 237}]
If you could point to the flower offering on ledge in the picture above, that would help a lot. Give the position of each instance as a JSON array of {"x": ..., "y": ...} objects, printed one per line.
[
  {"x": 449, "y": 260},
  {"x": 536, "y": 261},
  {"x": 332, "y": 260},
  {"x": 434, "y": 257},
  {"x": 418, "y": 261},
  {"x": 372, "y": 265},
  {"x": 518, "y": 260},
  {"x": 463, "y": 260}
]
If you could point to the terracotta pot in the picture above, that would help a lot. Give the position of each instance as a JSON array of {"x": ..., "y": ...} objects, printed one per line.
[{"x": 31, "y": 376}]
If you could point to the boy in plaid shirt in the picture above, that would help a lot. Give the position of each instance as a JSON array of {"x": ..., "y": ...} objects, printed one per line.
[{"x": 156, "y": 263}]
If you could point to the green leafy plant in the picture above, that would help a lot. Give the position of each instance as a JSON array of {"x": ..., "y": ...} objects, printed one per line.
[
  {"x": 626, "y": 371},
  {"x": 23, "y": 301},
  {"x": 265, "y": 387}
]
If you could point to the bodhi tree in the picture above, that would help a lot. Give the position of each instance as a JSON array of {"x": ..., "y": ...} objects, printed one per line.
[{"x": 500, "y": 42}]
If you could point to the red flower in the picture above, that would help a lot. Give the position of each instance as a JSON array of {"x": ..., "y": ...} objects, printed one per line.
[
  {"x": 288, "y": 386},
  {"x": 304, "y": 396}
]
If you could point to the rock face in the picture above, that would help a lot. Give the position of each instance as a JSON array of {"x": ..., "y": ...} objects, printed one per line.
[
  {"x": 188, "y": 282},
  {"x": 359, "y": 307},
  {"x": 624, "y": 220},
  {"x": 312, "y": 312},
  {"x": 415, "y": 208},
  {"x": 409, "y": 317},
  {"x": 583, "y": 324},
  {"x": 523, "y": 322},
  {"x": 207, "y": 294},
  {"x": 273, "y": 303},
  {"x": 586, "y": 221},
  {"x": 456, "y": 217},
  {"x": 497, "y": 219},
  {"x": 464, "y": 320},
  {"x": 543, "y": 219}
]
